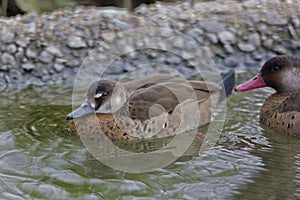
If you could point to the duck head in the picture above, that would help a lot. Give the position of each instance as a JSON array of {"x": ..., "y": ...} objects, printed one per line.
[
  {"x": 281, "y": 73},
  {"x": 103, "y": 96}
]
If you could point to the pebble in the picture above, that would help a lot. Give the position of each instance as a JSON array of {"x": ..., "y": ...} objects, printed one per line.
[
  {"x": 246, "y": 47},
  {"x": 7, "y": 58},
  {"x": 28, "y": 67},
  {"x": 46, "y": 57},
  {"x": 11, "y": 48},
  {"x": 76, "y": 42},
  {"x": 226, "y": 37},
  {"x": 7, "y": 36},
  {"x": 58, "y": 67}
]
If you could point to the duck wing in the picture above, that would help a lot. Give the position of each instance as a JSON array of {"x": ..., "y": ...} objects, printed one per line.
[{"x": 292, "y": 103}]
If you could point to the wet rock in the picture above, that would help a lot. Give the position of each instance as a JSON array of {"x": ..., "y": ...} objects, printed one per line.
[
  {"x": 212, "y": 38},
  {"x": 46, "y": 57},
  {"x": 226, "y": 37},
  {"x": 280, "y": 49},
  {"x": 28, "y": 67},
  {"x": 58, "y": 67},
  {"x": 76, "y": 42},
  {"x": 23, "y": 41},
  {"x": 31, "y": 53},
  {"x": 254, "y": 39},
  {"x": 54, "y": 51},
  {"x": 7, "y": 36},
  {"x": 11, "y": 48},
  {"x": 212, "y": 26},
  {"x": 7, "y": 58},
  {"x": 275, "y": 19},
  {"x": 268, "y": 43},
  {"x": 73, "y": 63},
  {"x": 196, "y": 34},
  {"x": 246, "y": 47},
  {"x": 228, "y": 48},
  {"x": 231, "y": 61},
  {"x": 295, "y": 22}
]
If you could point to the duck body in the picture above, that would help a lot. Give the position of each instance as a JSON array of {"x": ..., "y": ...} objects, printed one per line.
[
  {"x": 154, "y": 107},
  {"x": 281, "y": 110}
]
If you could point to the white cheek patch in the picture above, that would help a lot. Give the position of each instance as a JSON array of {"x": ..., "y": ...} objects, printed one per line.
[{"x": 99, "y": 95}]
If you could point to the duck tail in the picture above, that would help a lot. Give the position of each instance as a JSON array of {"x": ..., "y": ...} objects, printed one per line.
[{"x": 227, "y": 83}]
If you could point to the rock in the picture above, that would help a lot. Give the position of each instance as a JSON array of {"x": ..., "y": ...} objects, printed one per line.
[
  {"x": 212, "y": 38},
  {"x": 7, "y": 36},
  {"x": 76, "y": 42},
  {"x": 268, "y": 43},
  {"x": 212, "y": 26},
  {"x": 254, "y": 39},
  {"x": 228, "y": 48},
  {"x": 46, "y": 57},
  {"x": 7, "y": 58},
  {"x": 280, "y": 49},
  {"x": 115, "y": 68},
  {"x": 226, "y": 37},
  {"x": 31, "y": 53},
  {"x": 28, "y": 67},
  {"x": 196, "y": 34},
  {"x": 173, "y": 59},
  {"x": 108, "y": 36},
  {"x": 246, "y": 47},
  {"x": 231, "y": 61},
  {"x": 275, "y": 19},
  {"x": 295, "y": 22},
  {"x": 54, "y": 51},
  {"x": 23, "y": 41},
  {"x": 58, "y": 67},
  {"x": 73, "y": 63},
  {"x": 11, "y": 48}
]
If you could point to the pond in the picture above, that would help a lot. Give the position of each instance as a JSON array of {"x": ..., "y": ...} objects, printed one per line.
[{"x": 40, "y": 159}]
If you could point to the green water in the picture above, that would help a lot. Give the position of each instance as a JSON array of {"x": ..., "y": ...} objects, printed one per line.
[{"x": 40, "y": 159}]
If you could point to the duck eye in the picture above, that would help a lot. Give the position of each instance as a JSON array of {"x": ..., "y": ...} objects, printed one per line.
[
  {"x": 100, "y": 95},
  {"x": 275, "y": 68}
]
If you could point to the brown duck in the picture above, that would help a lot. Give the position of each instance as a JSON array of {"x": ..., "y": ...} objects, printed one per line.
[
  {"x": 154, "y": 107},
  {"x": 280, "y": 111}
]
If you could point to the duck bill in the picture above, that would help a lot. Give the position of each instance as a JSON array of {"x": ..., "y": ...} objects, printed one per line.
[
  {"x": 84, "y": 110},
  {"x": 255, "y": 82}
]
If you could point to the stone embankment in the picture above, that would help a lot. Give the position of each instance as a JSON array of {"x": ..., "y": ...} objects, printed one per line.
[{"x": 49, "y": 49}]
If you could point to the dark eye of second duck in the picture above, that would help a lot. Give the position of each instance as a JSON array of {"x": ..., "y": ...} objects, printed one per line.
[{"x": 275, "y": 68}]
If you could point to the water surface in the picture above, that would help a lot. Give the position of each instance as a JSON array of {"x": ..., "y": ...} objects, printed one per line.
[{"x": 40, "y": 159}]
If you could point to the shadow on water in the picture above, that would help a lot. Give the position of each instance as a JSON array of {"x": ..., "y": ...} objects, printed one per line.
[{"x": 39, "y": 158}]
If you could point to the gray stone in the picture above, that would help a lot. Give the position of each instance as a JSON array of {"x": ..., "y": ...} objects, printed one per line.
[
  {"x": 246, "y": 47},
  {"x": 7, "y": 58},
  {"x": 28, "y": 67},
  {"x": 263, "y": 29},
  {"x": 268, "y": 43},
  {"x": 115, "y": 68},
  {"x": 258, "y": 55},
  {"x": 273, "y": 18},
  {"x": 228, "y": 48},
  {"x": 4, "y": 67},
  {"x": 179, "y": 43},
  {"x": 11, "y": 48},
  {"x": 31, "y": 27},
  {"x": 295, "y": 22},
  {"x": 7, "y": 36},
  {"x": 254, "y": 39},
  {"x": 211, "y": 26},
  {"x": 73, "y": 63},
  {"x": 212, "y": 38},
  {"x": 23, "y": 41},
  {"x": 173, "y": 59},
  {"x": 58, "y": 67},
  {"x": 108, "y": 36},
  {"x": 31, "y": 53},
  {"x": 54, "y": 51},
  {"x": 46, "y": 57},
  {"x": 226, "y": 37},
  {"x": 196, "y": 34},
  {"x": 76, "y": 42},
  {"x": 280, "y": 49},
  {"x": 231, "y": 61}
]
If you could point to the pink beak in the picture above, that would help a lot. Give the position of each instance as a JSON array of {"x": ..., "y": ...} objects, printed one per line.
[{"x": 255, "y": 82}]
